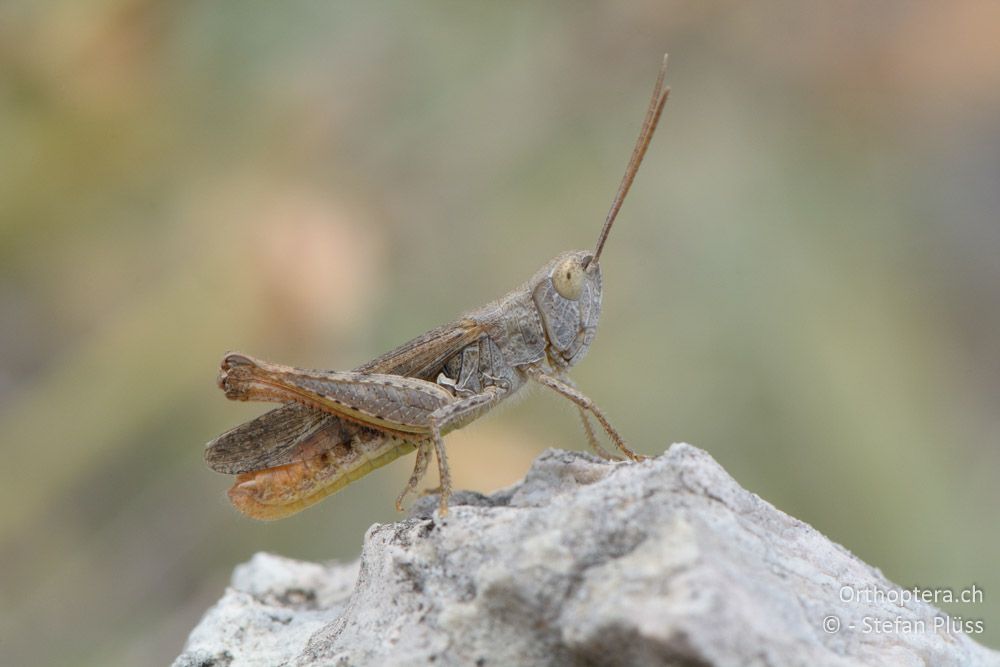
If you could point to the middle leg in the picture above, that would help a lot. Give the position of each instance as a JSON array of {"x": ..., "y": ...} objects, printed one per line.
[
  {"x": 452, "y": 416},
  {"x": 419, "y": 470}
]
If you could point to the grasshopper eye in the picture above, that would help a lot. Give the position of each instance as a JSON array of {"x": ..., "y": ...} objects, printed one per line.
[{"x": 567, "y": 278}]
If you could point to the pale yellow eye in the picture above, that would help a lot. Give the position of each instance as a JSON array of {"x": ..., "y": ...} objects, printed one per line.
[{"x": 567, "y": 278}]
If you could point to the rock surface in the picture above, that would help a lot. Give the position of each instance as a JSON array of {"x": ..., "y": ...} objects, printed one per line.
[{"x": 585, "y": 562}]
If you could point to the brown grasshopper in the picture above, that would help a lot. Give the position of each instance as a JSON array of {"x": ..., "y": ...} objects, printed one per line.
[{"x": 336, "y": 426}]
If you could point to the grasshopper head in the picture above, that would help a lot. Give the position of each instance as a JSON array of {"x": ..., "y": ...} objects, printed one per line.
[
  {"x": 567, "y": 291},
  {"x": 568, "y": 299}
]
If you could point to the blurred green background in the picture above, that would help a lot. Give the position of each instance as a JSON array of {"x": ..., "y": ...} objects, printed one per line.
[{"x": 805, "y": 280}]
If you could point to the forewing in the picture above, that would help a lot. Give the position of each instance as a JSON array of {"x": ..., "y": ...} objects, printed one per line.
[
  {"x": 293, "y": 431},
  {"x": 423, "y": 356},
  {"x": 269, "y": 440}
]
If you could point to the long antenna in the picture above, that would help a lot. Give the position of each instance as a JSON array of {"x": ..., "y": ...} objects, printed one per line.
[{"x": 648, "y": 127}]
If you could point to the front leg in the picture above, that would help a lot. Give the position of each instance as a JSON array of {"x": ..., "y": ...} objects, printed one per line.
[
  {"x": 588, "y": 429},
  {"x": 584, "y": 403}
]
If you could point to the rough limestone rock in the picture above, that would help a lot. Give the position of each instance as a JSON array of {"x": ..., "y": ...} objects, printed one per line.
[{"x": 585, "y": 562}]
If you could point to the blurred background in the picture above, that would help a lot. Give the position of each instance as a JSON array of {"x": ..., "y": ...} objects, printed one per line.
[{"x": 804, "y": 280}]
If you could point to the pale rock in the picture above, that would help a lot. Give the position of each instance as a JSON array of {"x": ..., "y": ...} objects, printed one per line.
[{"x": 585, "y": 562}]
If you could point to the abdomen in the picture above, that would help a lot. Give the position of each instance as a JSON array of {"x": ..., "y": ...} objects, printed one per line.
[{"x": 274, "y": 493}]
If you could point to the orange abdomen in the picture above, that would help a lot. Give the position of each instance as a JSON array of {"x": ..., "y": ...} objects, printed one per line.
[{"x": 274, "y": 493}]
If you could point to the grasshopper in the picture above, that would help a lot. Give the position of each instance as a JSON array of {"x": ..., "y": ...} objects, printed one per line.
[{"x": 336, "y": 426}]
